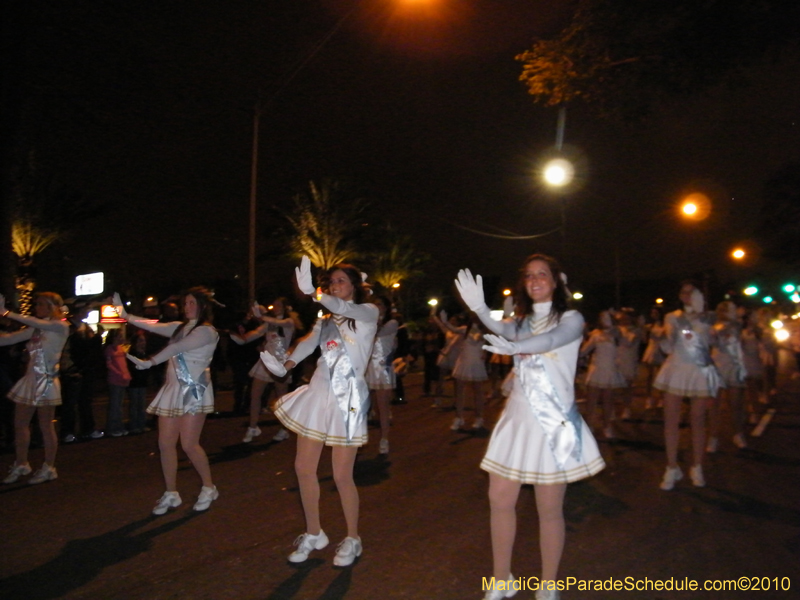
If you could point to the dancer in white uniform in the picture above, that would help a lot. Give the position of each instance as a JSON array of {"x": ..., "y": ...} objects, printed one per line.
[
  {"x": 687, "y": 372},
  {"x": 729, "y": 360},
  {"x": 540, "y": 438},
  {"x": 278, "y": 331},
  {"x": 469, "y": 369},
  {"x": 630, "y": 340},
  {"x": 653, "y": 356},
  {"x": 186, "y": 396},
  {"x": 332, "y": 409},
  {"x": 603, "y": 375},
  {"x": 39, "y": 390},
  {"x": 380, "y": 371}
]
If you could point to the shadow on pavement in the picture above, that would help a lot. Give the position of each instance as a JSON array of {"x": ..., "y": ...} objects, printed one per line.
[
  {"x": 732, "y": 502},
  {"x": 290, "y": 587},
  {"x": 80, "y": 561},
  {"x": 584, "y": 499}
]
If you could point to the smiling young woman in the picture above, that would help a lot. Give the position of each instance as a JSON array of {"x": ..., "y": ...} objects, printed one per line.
[
  {"x": 540, "y": 438},
  {"x": 39, "y": 390},
  {"x": 187, "y": 395},
  {"x": 332, "y": 409}
]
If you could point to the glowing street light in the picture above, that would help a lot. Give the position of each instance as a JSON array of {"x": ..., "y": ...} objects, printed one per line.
[
  {"x": 659, "y": 301},
  {"x": 558, "y": 173},
  {"x": 750, "y": 290},
  {"x": 506, "y": 292},
  {"x": 738, "y": 254},
  {"x": 577, "y": 296},
  {"x": 433, "y": 302},
  {"x": 696, "y": 207},
  {"x": 395, "y": 285}
]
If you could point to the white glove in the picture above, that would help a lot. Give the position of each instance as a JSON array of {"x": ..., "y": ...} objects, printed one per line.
[
  {"x": 273, "y": 364},
  {"x": 500, "y": 345},
  {"x": 118, "y": 306},
  {"x": 256, "y": 310},
  {"x": 443, "y": 316},
  {"x": 471, "y": 290},
  {"x": 303, "y": 274},
  {"x": 2, "y": 303},
  {"x": 237, "y": 339},
  {"x": 140, "y": 364}
]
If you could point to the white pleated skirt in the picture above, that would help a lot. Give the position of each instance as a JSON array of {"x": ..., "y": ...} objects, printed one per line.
[
  {"x": 24, "y": 391},
  {"x": 518, "y": 449},
  {"x": 684, "y": 380},
  {"x": 312, "y": 411}
]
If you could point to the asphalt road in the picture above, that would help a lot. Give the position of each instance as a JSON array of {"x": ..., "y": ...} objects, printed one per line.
[{"x": 424, "y": 517}]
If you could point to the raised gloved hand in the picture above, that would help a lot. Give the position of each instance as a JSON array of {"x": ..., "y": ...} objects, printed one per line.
[
  {"x": 303, "y": 274},
  {"x": 256, "y": 310},
  {"x": 273, "y": 364},
  {"x": 471, "y": 290},
  {"x": 116, "y": 301},
  {"x": 443, "y": 316},
  {"x": 140, "y": 364},
  {"x": 500, "y": 345}
]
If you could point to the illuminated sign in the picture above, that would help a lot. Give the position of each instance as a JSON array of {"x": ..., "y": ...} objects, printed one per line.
[
  {"x": 108, "y": 314},
  {"x": 89, "y": 284}
]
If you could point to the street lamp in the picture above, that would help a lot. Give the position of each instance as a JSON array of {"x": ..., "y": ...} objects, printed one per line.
[{"x": 738, "y": 254}]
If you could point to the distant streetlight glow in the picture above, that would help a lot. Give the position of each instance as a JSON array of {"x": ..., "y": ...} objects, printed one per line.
[
  {"x": 577, "y": 296},
  {"x": 789, "y": 288},
  {"x": 795, "y": 298},
  {"x": 696, "y": 207},
  {"x": 506, "y": 292},
  {"x": 433, "y": 302},
  {"x": 395, "y": 285},
  {"x": 767, "y": 299},
  {"x": 659, "y": 301},
  {"x": 777, "y": 324},
  {"x": 782, "y": 335},
  {"x": 738, "y": 254},
  {"x": 558, "y": 172},
  {"x": 750, "y": 290}
]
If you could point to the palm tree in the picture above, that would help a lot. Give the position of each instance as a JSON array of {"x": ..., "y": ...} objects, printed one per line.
[
  {"x": 399, "y": 260},
  {"x": 28, "y": 240},
  {"x": 326, "y": 224}
]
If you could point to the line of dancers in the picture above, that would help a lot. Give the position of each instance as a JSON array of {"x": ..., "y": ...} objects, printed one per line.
[{"x": 540, "y": 438}]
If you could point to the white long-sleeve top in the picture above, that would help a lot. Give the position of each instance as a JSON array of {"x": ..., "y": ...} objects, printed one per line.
[
  {"x": 197, "y": 346},
  {"x": 53, "y": 336},
  {"x": 558, "y": 344},
  {"x": 358, "y": 342}
]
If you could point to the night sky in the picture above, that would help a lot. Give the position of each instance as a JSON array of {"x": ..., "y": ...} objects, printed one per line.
[{"x": 148, "y": 106}]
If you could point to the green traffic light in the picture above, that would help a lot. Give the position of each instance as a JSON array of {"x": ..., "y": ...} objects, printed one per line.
[
  {"x": 750, "y": 290},
  {"x": 789, "y": 288}
]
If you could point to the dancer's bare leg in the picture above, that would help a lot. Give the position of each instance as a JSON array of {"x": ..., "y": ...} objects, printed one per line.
[
  {"x": 672, "y": 416},
  {"x": 47, "y": 426},
  {"x": 698, "y": 421},
  {"x": 503, "y": 495},
  {"x": 305, "y": 465},
  {"x": 552, "y": 531},
  {"x": 344, "y": 460},
  {"x": 384, "y": 400},
  {"x": 257, "y": 387},
  {"x": 191, "y": 426},
  {"x": 23, "y": 414}
]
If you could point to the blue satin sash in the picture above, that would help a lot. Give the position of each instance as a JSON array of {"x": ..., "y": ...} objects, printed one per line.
[
  {"x": 693, "y": 347},
  {"x": 351, "y": 392},
  {"x": 191, "y": 390},
  {"x": 42, "y": 377}
]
